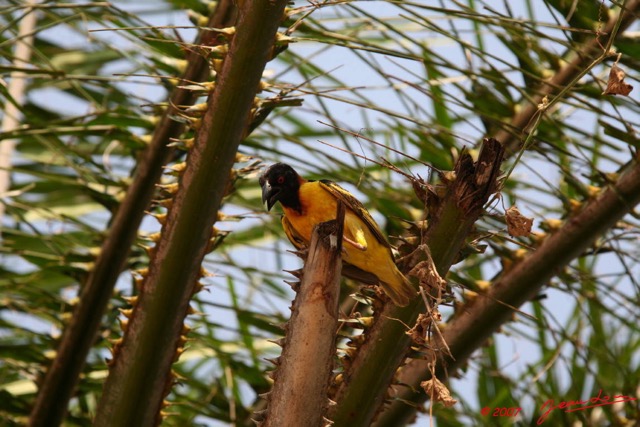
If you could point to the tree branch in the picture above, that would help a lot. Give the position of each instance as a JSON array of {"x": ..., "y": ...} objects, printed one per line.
[
  {"x": 478, "y": 320},
  {"x": 78, "y": 337},
  {"x": 140, "y": 374},
  {"x": 584, "y": 60},
  {"x": 362, "y": 392}
]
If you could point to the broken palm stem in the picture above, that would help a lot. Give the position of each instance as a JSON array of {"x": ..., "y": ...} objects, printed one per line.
[{"x": 303, "y": 371}]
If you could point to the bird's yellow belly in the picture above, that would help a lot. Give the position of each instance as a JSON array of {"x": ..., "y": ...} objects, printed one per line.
[{"x": 320, "y": 206}]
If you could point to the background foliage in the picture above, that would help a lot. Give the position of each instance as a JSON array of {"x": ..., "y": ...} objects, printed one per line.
[{"x": 423, "y": 79}]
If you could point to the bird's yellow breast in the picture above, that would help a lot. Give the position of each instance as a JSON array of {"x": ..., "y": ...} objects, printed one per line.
[{"x": 318, "y": 205}]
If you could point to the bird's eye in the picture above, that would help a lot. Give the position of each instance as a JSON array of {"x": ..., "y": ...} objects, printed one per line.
[{"x": 280, "y": 180}]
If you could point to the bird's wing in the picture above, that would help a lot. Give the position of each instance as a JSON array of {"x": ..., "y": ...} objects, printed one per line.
[
  {"x": 358, "y": 208},
  {"x": 294, "y": 237}
]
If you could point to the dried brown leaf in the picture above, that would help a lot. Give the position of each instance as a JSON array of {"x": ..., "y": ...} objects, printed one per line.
[
  {"x": 438, "y": 392},
  {"x": 419, "y": 332},
  {"x": 616, "y": 84},
  {"x": 426, "y": 272},
  {"x": 517, "y": 224}
]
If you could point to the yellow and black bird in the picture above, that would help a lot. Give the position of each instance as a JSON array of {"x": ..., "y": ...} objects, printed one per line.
[{"x": 308, "y": 203}]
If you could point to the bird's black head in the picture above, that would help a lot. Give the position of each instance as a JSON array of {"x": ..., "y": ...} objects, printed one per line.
[{"x": 280, "y": 183}]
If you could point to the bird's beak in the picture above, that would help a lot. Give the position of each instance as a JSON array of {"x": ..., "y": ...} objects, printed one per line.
[{"x": 269, "y": 195}]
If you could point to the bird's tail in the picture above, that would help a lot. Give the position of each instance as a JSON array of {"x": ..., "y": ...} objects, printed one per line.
[{"x": 398, "y": 288}]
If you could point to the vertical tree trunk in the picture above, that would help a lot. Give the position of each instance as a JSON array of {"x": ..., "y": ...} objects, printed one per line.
[
  {"x": 80, "y": 334},
  {"x": 140, "y": 373}
]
